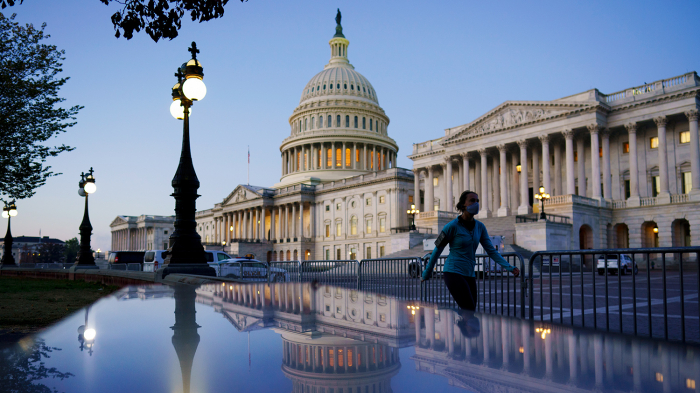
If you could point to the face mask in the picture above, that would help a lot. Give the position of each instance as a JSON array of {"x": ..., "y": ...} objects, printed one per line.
[{"x": 473, "y": 209}]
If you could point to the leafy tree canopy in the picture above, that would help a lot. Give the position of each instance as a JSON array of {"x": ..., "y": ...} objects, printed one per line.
[
  {"x": 70, "y": 251},
  {"x": 30, "y": 111}
]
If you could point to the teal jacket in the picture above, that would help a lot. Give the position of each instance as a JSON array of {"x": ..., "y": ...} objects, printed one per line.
[{"x": 463, "y": 244}]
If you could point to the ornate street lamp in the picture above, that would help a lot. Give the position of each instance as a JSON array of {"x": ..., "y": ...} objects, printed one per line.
[
  {"x": 186, "y": 253},
  {"x": 412, "y": 212},
  {"x": 542, "y": 196},
  {"x": 9, "y": 211},
  {"x": 86, "y": 335},
  {"x": 85, "y": 259}
]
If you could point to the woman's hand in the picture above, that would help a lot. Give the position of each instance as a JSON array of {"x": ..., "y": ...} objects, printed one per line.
[{"x": 516, "y": 272}]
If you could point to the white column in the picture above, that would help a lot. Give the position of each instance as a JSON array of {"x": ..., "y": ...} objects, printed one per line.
[
  {"x": 607, "y": 179},
  {"x": 280, "y": 224},
  {"x": 374, "y": 158},
  {"x": 536, "y": 182},
  {"x": 301, "y": 220},
  {"x": 496, "y": 181},
  {"x": 429, "y": 190},
  {"x": 484, "y": 196},
  {"x": 295, "y": 220},
  {"x": 449, "y": 203},
  {"x": 465, "y": 167},
  {"x": 443, "y": 183},
  {"x": 546, "y": 178},
  {"x": 353, "y": 159},
  {"x": 286, "y": 221},
  {"x": 272, "y": 224},
  {"x": 460, "y": 178},
  {"x": 558, "y": 175},
  {"x": 504, "y": 209},
  {"x": 416, "y": 188},
  {"x": 664, "y": 195},
  {"x": 694, "y": 151},
  {"x": 570, "y": 177},
  {"x": 595, "y": 161},
  {"x": 524, "y": 207},
  {"x": 580, "y": 154},
  {"x": 634, "y": 175}
]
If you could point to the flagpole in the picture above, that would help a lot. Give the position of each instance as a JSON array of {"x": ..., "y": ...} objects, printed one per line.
[{"x": 248, "y": 164}]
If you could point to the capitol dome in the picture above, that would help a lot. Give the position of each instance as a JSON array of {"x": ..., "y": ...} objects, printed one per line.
[{"x": 338, "y": 130}]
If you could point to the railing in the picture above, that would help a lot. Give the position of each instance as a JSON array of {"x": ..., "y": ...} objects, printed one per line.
[
  {"x": 570, "y": 296},
  {"x": 251, "y": 271},
  {"x": 571, "y": 198},
  {"x": 549, "y": 217},
  {"x": 680, "y": 198},
  {"x": 437, "y": 214},
  {"x": 649, "y": 201},
  {"x": 42, "y": 265},
  {"x": 398, "y": 277},
  {"x": 619, "y": 204},
  {"x": 525, "y": 218},
  {"x": 125, "y": 266},
  {"x": 676, "y": 81},
  {"x": 409, "y": 229}
]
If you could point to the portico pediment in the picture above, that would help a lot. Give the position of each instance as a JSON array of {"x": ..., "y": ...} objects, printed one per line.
[
  {"x": 243, "y": 323},
  {"x": 242, "y": 193},
  {"x": 118, "y": 221},
  {"x": 511, "y": 115}
]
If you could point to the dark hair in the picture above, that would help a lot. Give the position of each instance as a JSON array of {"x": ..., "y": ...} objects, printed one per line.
[{"x": 463, "y": 200}]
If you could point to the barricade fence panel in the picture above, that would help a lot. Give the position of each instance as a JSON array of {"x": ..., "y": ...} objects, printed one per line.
[
  {"x": 641, "y": 291},
  {"x": 397, "y": 277},
  {"x": 340, "y": 273}
]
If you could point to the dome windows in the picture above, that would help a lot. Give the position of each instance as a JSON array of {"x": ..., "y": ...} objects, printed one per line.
[
  {"x": 329, "y": 121},
  {"x": 345, "y": 86},
  {"x": 338, "y": 86},
  {"x": 324, "y": 87},
  {"x": 352, "y": 87},
  {"x": 320, "y": 122},
  {"x": 331, "y": 86},
  {"x": 364, "y": 123},
  {"x": 363, "y": 89},
  {"x": 355, "y": 121},
  {"x": 370, "y": 124},
  {"x": 337, "y": 121},
  {"x": 347, "y": 121}
]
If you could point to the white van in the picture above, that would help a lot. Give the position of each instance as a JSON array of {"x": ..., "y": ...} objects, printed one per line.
[{"x": 153, "y": 259}]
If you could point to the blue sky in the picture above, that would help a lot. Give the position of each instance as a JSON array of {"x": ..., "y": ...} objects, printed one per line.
[{"x": 434, "y": 65}]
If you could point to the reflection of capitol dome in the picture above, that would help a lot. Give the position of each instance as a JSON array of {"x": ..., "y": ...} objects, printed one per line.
[
  {"x": 338, "y": 130},
  {"x": 315, "y": 362}
]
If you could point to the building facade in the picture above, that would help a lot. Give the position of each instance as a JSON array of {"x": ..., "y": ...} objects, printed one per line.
[
  {"x": 623, "y": 167},
  {"x": 340, "y": 192},
  {"x": 141, "y": 233},
  {"x": 26, "y": 248}
]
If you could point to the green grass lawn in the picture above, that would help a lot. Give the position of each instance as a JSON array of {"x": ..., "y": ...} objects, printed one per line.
[{"x": 28, "y": 304}]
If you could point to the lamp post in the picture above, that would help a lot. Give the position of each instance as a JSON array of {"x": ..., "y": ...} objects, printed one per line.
[
  {"x": 9, "y": 211},
  {"x": 186, "y": 253},
  {"x": 542, "y": 196},
  {"x": 85, "y": 259},
  {"x": 86, "y": 335},
  {"x": 412, "y": 212}
]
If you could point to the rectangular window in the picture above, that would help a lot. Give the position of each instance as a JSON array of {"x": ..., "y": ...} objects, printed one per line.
[
  {"x": 337, "y": 229},
  {"x": 369, "y": 253},
  {"x": 685, "y": 137},
  {"x": 381, "y": 198},
  {"x": 364, "y": 123},
  {"x": 328, "y": 254},
  {"x": 655, "y": 185},
  {"x": 328, "y": 231},
  {"x": 337, "y": 121},
  {"x": 382, "y": 317},
  {"x": 382, "y": 224},
  {"x": 410, "y": 199},
  {"x": 625, "y": 147},
  {"x": 435, "y": 181},
  {"x": 381, "y": 251},
  {"x": 437, "y": 206},
  {"x": 348, "y": 158},
  {"x": 357, "y": 156},
  {"x": 368, "y": 315},
  {"x": 653, "y": 142},
  {"x": 600, "y": 152},
  {"x": 328, "y": 208},
  {"x": 370, "y": 124},
  {"x": 368, "y": 202},
  {"x": 329, "y": 158},
  {"x": 165, "y": 246},
  {"x": 687, "y": 182},
  {"x": 338, "y": 255},
  {"x": 368, "y": 226},
  {"x": 627, "y": 189},
  {"x": 576, "y": 156},
  {"x": 338, "y": 157},
  {"x": 337, "y": 206}
]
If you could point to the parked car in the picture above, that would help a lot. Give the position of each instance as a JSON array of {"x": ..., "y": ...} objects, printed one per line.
[
  {"x": 122, "y": 257},
  {"x": 612, "y": 259},
  {"x": 250, "y": 270},
  {"x": 153, "y": 260},
  {"x": 216, "y": 256}
]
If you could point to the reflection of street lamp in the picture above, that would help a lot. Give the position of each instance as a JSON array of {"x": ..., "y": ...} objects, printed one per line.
[
  {"x": 9, "y": 211},
  {"x": 85, "y": 259},
  {"x": 412, "y": 212},
  {"x": 542, "y": 196},
  {"x": 186, "y": 253},
  {"x": 185, "y": 337},
  {"x": 86, "y": 336}
]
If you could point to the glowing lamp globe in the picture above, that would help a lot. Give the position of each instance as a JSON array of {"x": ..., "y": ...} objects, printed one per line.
[
  {"x": 81, "y": 192},
  {"x": 13, "y": 212},
  {"x": 90, "y": 187},
  {"x": 194, "y": 89},
  {"x": 5, "y": 214},
  {"x": 177, "y": 110},
  {"x": 89, "y": 334}
]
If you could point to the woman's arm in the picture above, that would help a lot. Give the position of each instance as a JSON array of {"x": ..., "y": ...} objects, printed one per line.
[
  {"x": 492, "y": 252},
  {"x": 440, "y": 243}
]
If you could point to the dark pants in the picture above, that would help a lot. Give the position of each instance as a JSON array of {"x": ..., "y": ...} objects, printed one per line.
[{"x": 462, "y": 289}]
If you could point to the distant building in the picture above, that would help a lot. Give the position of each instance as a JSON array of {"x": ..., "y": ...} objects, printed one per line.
[
  {"x": 25, "y": 247},
  {"x": 141, "y": 233}
]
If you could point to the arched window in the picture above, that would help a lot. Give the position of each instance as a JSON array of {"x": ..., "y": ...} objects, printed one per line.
[
  {"x": 288, "y": 256},
  {"x": 337, "y": 86},
  {"x": 355, "y": 121},
  {"x": 364, "y": 123},
  {"x": 348, "y": 157},
  {"x": 370, "y": 124},
  {"x": 352, "y": 87},
  {"x": 331, "y": 86},
  {"x": 320, "y": 122},
  {"x": 324, "y": 87},
  {"x": 329, "y": 158},
  {"x": 347, "y": 121},
  {"x": 313, "y": 119},
  {"x": 338, "y": 157},
  {"x": 299, "y": 126},
  {"x": 306, "y": 124},
  {"x": 345, "y": 86},
  {"x": 363, "y": 89},
  {"x": 320, "y": 157},
  {"x": 329, "y": 121}
]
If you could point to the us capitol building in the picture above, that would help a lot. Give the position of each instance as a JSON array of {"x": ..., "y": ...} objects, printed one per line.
[{"x": 622, "y": 169}]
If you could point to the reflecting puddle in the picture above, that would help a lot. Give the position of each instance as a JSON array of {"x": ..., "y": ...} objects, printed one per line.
[{"x": 303, "y": 338}]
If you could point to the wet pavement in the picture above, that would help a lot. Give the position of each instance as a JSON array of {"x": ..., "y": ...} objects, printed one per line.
[{"x": 323, "y": 339}]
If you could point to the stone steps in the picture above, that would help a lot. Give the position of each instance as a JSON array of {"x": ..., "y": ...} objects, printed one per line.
[
  {"x": 413, "y": 252},
  {"x": 501, "y": 226}
]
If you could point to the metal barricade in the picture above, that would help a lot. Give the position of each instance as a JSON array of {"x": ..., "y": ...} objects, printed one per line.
[
  {"x": 397, "y": 277},
  {"x": 342, "y": 273},
  {"x": 499, "y": 292},
  {"x": 249, "y": 271},
  {"x": 569, "y": 283},
  {"x": 290, "y": 270}
]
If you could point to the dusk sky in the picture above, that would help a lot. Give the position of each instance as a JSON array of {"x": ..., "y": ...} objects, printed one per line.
[{"x": 434, "y": 65}]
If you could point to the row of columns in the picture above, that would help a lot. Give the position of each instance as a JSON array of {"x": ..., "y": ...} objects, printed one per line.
[
  {"x": 338, "y": 358},
  {"x": 598, "y": 136},
  {"x": 130, "y": 239},
  {"x": 353, "y": 155}
]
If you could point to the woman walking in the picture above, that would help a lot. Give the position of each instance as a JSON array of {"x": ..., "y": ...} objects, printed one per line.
[{"x": 464, "y": 234}]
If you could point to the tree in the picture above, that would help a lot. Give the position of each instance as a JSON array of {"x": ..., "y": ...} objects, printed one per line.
[
  {"x": 70, "y": 251},
  {"x": 24, "y": 370},
  {"x": 50, "y": 253},
  {"x": 29, "y": 107}
]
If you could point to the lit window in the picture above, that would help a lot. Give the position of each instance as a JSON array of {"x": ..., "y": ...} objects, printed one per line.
[
  {"x": 653, "y": 142},
  {"x": 329, "y": 158},
  {"x": 687, "y": 182},
  {"x": 690, "y": 383},
  {"x": 659, "y": 377},
  {"x": 369, "y": 226},
  {"x": 410, "y": 199},
  {"x": 328, "y": 231},
  {"x": 338, "y": 227},
  {"x": 368, "y": 202},
  {"x": 626, "y": 147},
  {"x": 382, "y": 224},
  {"x": 338, "y": 157},
  {"x": 437, "y": 335},
  {"x": 337, "y": 206},
  {"x": 348, "y": 157},
  {"x": 353, "y": 226},
  {"x": 600, "y": 152},
  {"x": 435, "y": 181},
  {"x": 685, "y": 136},
  {"x": 575, "y": 156},
  {"x": 381, "y": 251},
  {"x": 369, "y": 253},
  {"x": 381, "y": 198},
  {"x": 382, "y": 317}
]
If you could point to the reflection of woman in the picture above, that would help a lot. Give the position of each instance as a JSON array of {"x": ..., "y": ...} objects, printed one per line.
[{"x": 464, "y": 234}]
